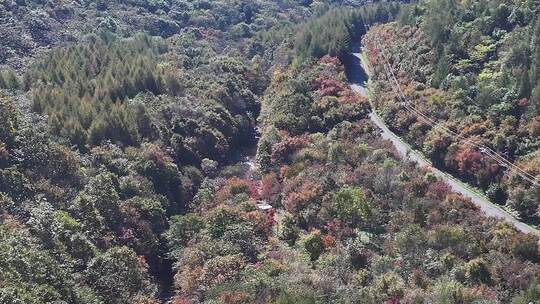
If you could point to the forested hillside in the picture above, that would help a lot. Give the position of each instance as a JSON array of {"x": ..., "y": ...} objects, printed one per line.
[
  {"x": 213, "y": 152},
  {"x": 472, "y": 68}
]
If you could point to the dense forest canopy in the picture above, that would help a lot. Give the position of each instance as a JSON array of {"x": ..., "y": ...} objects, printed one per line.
[
  {"x": 125, "y": 127},
  {"x": 472, "y": 66}
]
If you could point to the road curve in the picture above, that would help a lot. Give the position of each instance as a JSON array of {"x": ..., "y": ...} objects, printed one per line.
[{"x": 358, "y": 78}]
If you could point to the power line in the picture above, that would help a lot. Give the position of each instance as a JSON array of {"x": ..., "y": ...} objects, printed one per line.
[
  {"x": 486, "y": 150},
  {"x": 501, "y": 160}
]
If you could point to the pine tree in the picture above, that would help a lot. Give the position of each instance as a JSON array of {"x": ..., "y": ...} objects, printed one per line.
[
  {"x": 534, "y": 104},
  {"x": 535, "y": 56},
  {"x": 9, "y": 80},
  {"x": 2, "y": 81},
  {"x": 525, "y": 85},
  {"x": 441, "y": 72}
]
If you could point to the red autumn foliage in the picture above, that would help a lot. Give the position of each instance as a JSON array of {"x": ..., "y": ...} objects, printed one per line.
[
  {"x": 417, "y": 186},
  {"x": 338, "y": 230},
  {"x": 525, "y": 246},
  {"x": 513, "y": 273},
  {"x": 270, "y": 186},
  {"x": 373, "y": 55},
  {"x": 142, "y": 262},
  {"x": 480, "y": 292},
  {"x": 523, "y": 102},
  {"x": 298, "y": 200},
  {"x": 270, "y": 218},
  {"x": 462, "y": 208},
  {"x": 236, "y": 185},
  {"x": 284, "y": 148},
  {"x": 329, "y": 241},
  {"x": 349, "y": 98},
  {"x": 181, "y": 300},
  {"x": 126, "y": 234},
  {"x": 4, "y": 153},
  {"x": 468, "y": 161},
  {"x": 259, "y": 220},
  {"x": 208, "y": 33},
  {"x": 253, "y": 190},
  {"x": 329, "y": 87},
  {"x": 393, "y": 300},
  {"x": 233, "y": 297},
  {"x": 329, "y": 60},
  {"x": 474, "y": 129},
  {"x": 283, "y": 171},
  {"x": 438, "y": 190},
  {"x": 157, "y": 155}
]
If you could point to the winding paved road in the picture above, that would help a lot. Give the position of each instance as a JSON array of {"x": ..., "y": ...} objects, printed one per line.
[{"x": 358, "y": 78}]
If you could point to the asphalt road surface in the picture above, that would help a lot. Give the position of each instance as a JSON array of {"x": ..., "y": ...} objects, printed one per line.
[{"x": 358, "y": 79}]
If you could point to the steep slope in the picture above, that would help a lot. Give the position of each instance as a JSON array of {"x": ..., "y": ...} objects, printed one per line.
[
  {"x": 358, "y": 78},
  {"x": 477, "y": 89}
]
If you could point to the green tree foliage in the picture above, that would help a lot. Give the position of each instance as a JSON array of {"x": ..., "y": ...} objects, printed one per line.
[
  {"x": 9, "y": 122},
  {"x": 292, "y": 108},
  {"x": 313, "y": 244},
  {"x": 481, "y": 57},
  {"x": 182, "y": 229},
  {"x": 535, "y": 70},
  {"x": 477, "y": 270},
  {"x": 118, "y": 125},
  {"x": 98, "y": 207},
  {"x": 290, "y": 297},
  {"x": 440, "y": 14},
  {"x": 244, "y": 237},
  {"x": 151, "y": 197},
  {"x": 531, "y": 295},
  {"x": 30, "y": 274},
  {"x": 119, "y": 277},
  {"x": 352, "y": 206},
  {"x": 9, "y": 80},
  {"x": 330, "y": 34},
  {"x": 92, "y": 80},
  {"x": 15, "y": 184},
  {"x": 220, "y": 219},
  {"x": 338, "y": 29},
  {"x": 288, "y": 231}
]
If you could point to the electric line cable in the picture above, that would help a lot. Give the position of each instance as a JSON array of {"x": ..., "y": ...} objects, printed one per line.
[
  {"x": 486, "y": 150},
  {"x": 501, "y": 160}
]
